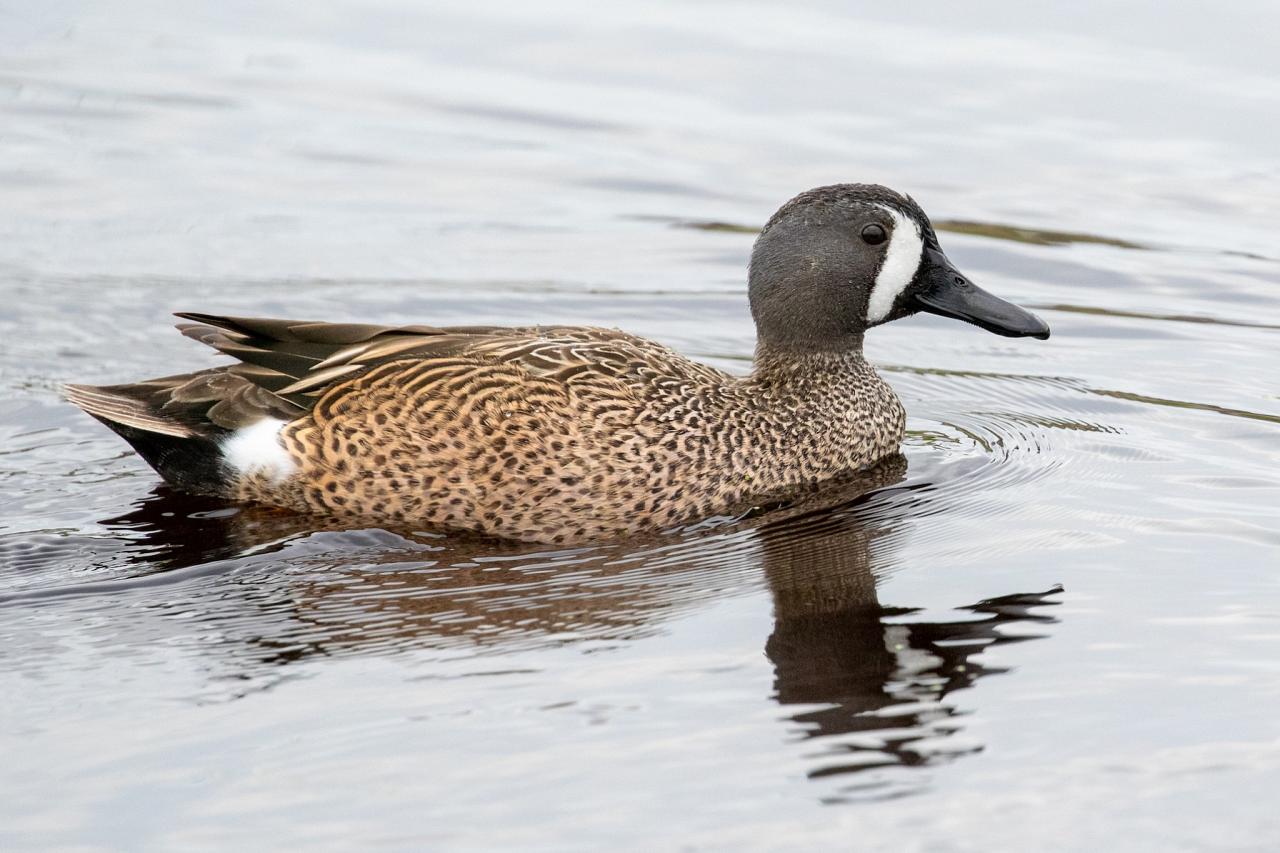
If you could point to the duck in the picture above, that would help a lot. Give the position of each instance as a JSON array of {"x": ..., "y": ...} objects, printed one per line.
[{"x": 564, "y": 434}]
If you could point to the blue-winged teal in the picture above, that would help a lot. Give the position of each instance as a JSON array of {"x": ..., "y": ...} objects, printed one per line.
[{"x": 564, "y": 434}]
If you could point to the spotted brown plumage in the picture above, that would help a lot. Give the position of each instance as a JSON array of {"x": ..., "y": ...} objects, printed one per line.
[{"x": 562, "y": 434}]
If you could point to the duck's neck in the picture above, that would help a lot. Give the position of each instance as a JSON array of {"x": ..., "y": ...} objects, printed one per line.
[
  {"x": 823, "y": 413},
  {"x": 797, "y": 369}
]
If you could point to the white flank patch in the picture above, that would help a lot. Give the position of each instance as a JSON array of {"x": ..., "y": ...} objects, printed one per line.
[
  {"x": 256, "y": 449},
  {"x": 901, "y": 261}
]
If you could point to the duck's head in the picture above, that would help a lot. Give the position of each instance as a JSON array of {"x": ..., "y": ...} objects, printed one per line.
[{"x": 835, "y": 261}]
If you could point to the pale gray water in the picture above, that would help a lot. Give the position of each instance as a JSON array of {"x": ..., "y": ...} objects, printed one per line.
[{"x": 175, "y": 680}]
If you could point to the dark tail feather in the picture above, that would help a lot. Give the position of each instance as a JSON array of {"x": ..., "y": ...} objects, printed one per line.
[{"x": 186, "y": 455}]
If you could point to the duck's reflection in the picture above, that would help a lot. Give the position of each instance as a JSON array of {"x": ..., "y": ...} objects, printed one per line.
[
  {"x": 879, "y": 678},
  {"x": 870, "y": 680}
]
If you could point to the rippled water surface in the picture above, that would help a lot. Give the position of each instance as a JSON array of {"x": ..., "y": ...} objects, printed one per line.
[{"x": 1059, "y": 626}]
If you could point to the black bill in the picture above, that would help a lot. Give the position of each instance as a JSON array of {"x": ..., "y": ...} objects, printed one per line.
[{"x": 948, "y": 293}]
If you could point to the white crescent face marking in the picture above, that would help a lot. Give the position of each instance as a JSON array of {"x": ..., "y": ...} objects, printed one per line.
[
  {"x": 901, "y": 260},
  {"x": 256, "y": 449}
]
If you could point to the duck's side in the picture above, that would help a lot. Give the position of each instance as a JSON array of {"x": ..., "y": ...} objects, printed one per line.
[{"x": 554, "y": 435}]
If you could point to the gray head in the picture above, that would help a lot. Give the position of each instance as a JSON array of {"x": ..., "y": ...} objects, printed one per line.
[{"x": 836, "y": 260}]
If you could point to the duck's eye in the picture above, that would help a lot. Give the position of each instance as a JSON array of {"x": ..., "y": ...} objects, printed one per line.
[{"x": 873, "y": 235}]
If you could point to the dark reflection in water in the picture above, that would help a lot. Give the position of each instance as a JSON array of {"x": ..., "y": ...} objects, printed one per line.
[
  {"x": 880, "y": 677},
  {"x": 172, "y": 530},
  {"x": 872, "y": 682},
  {"x": 833, "y": 644}
]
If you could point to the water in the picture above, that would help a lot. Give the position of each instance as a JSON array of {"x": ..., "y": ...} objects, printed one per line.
[{"x": 1058, "y": 627}]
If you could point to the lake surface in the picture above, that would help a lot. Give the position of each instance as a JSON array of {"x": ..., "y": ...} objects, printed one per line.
[{"x": 1057, "y": 628}]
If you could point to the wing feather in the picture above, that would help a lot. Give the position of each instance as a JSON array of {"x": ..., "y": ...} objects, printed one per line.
[{"x": 285, "y": 366}]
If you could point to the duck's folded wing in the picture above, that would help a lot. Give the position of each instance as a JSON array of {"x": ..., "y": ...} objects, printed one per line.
[
  {"x": 282, "y": 367},
  {"x": 298, "y": 361}
]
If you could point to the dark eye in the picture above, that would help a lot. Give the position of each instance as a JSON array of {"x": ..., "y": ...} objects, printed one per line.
[{"x": 873, "y": 234}]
